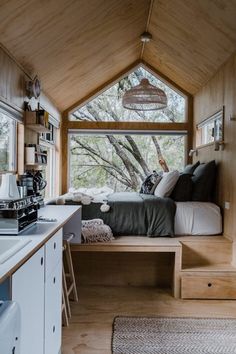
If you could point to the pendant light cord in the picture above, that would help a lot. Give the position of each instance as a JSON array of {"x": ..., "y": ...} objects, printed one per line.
[{"x": 147, "y": 25}]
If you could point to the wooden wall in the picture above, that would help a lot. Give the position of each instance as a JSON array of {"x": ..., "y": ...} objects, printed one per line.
[
  {"x": 12, "y": 86},
  {"x": 219, "y": 91},
  {"x": 12, "y": 92}
]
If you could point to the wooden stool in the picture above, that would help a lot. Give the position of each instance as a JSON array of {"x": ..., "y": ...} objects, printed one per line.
[
  {"x": 65, "y": 320},
  {"x": 69, "y": 285}
]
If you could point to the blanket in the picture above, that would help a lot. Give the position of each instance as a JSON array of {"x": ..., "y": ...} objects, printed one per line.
[{"x": 136, "y": 214}]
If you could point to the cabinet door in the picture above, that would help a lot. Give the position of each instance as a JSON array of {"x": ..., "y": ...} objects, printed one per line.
[
  {"x": 53, "y": 300},
  {"x": 28, "y": 292}
]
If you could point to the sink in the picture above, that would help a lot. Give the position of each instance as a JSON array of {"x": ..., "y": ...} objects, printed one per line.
[{"x": 10, "y": 246}]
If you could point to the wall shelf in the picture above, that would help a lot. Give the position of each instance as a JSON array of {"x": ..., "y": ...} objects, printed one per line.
[
  {"x": 38, "y": 128},
  {"x": 35, "y": 156},
  {"x": 35, "y": 164}
]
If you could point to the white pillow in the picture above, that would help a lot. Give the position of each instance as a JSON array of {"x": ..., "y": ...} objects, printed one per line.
[{"x": 167, "y": 184}]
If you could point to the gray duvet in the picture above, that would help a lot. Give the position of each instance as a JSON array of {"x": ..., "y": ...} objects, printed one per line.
[{"x": 132, "y": 213}]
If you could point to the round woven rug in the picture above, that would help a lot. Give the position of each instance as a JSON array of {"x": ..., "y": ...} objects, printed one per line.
[{"x": 163, "y": 335}]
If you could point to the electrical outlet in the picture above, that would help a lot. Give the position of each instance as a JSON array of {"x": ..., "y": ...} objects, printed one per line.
[{"x": 227, "y": 205}]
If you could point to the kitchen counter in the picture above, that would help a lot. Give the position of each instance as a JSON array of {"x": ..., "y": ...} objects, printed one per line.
[{"x": 38, "y": 235}]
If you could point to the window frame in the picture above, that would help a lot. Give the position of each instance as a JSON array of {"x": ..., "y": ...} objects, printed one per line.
[
  {"x": 13, "y": 144},
  {"x": 51, "y": 164},
  {"x": 68, "y": 125},
  {"x": 201, "y": 129}
]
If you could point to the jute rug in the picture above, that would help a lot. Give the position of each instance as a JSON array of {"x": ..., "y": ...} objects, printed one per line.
[{"x": 157, "y": 335}]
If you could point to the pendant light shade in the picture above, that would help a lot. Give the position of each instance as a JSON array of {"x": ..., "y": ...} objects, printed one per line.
[{"x": 144, "y": 97}]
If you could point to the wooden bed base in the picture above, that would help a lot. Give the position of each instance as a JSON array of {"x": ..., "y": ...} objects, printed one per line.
[{"x": 202, "y": 266}]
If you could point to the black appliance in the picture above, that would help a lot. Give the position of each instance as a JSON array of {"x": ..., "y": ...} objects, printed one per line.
[
  {"x": 17, "y": 215},
  {"x": 34, "y": 182}
]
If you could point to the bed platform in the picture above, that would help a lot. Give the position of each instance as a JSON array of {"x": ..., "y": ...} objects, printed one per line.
[{"x": 201, "y": 264}]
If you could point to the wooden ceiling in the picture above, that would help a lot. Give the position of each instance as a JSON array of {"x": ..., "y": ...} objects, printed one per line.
[
  {"x": 76, "y": 46},
  {"x": 191, "y": 39}
]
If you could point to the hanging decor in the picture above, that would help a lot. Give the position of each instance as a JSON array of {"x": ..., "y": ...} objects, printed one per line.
[
  {"x": 33, "y": 88},
  {"x": 144, "y": 97}
]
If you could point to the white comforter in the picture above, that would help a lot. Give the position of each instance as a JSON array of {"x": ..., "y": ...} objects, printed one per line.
[{"x": 197, "y": 218}]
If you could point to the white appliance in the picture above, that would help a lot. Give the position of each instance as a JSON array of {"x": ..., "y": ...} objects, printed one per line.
[
  {"x": 9, "y": 328},
  {"x": 8, "y": 189}
]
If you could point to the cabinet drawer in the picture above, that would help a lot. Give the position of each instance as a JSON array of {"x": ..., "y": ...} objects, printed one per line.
[
  {"x": 53, "y": 301},
  {"x": 53, "y": 250},
  {"x": 208, "y": 287}
]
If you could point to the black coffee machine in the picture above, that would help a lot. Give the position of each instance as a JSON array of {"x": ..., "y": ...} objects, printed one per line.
[{"x": 33, "y": 181}]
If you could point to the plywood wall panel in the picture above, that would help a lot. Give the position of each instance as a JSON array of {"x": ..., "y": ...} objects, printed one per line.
[
  {"x": 3, "y": 75},
  {"x": 219, "y": 91},
  {"x": 12, "y": 86},
  {"x": 123, "y": 269}
]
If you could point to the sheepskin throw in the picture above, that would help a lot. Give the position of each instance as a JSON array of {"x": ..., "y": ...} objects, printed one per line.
[{"x": 96, "y": 231}]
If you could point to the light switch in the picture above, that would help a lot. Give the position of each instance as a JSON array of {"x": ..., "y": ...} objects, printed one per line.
[{"x": 227, "y": 205}]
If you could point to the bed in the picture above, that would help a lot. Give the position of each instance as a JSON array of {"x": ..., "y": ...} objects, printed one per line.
[{"x": 138, "y": 214}]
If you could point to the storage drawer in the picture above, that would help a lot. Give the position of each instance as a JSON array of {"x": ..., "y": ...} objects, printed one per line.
[
  {"x": 53, "y": 249},
  {"x": 208, "y": 286}
]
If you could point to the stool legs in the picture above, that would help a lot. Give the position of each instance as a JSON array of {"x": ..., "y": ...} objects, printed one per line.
[
  {"x": 72, "y": 290},
  {"x": 65, "y": 320},
  {"x": 68, "y": 282},
  {"x": 65, "y": 291}
]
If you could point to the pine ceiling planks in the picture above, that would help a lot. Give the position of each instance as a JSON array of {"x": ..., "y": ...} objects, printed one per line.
[
  {"x": 191, "y": 39},
  {"x": 73, "y": 45}
]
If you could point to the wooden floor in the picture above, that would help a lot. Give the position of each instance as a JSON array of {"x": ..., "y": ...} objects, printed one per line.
[{"x": 91, "y": 324}]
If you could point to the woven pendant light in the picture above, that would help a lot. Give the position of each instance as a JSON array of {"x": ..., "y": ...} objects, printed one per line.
[{"x": 144, "y": 97}]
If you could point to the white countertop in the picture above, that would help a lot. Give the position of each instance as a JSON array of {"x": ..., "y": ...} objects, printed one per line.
[{"x": 38, "y": 234}]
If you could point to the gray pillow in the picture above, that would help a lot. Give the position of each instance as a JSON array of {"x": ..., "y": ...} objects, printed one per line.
[
  {"x": 183, "y": 188},
  {"x": 189, "y": 169},
  {"x": 204, "y": 179}
]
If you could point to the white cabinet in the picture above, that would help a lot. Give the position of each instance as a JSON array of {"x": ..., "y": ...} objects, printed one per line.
[
  {"x": 52, "y": 315},
  {"x": 53, "y": 294},
  {"x": 36, "y": 287},
  {"x": 28, "y": 292}
]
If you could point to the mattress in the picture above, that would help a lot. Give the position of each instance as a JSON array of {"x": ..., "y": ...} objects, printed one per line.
[{"x": 197, "y": 218}]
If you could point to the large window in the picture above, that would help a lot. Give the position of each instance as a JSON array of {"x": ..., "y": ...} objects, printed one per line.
[
  {"x": 121, "y": 162},
  {"x": 108, "y": 105},
  {"x": 7, "y": 143},
  {"x": 122, "y": 159}
]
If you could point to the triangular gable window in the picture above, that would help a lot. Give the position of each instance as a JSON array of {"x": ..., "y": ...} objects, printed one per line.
[{"x": 107, "y": 106}]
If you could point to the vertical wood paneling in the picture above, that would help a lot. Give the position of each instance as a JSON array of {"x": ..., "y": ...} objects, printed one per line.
[
  {"x": 12, "y": 86},
  {"x": 219, "y": 91},
  {"x": 12, "y": 91}
]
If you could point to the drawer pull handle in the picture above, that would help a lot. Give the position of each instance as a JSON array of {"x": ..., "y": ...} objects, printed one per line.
[
  {"x": 55, "y": 245},
  {"x": 54, "y": 280},
  {"x": 41, "y": 261},
  {"x": 209, "y": 285},
  {"x": 53, "y": 329}
]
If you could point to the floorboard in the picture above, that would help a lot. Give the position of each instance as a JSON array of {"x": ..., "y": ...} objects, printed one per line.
[{"x": 91, "y": 323}]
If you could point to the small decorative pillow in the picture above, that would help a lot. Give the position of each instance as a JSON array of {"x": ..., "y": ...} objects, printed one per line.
[
  {"x": 167, "y": 184},
  {"x": 150, "y": 183}
]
